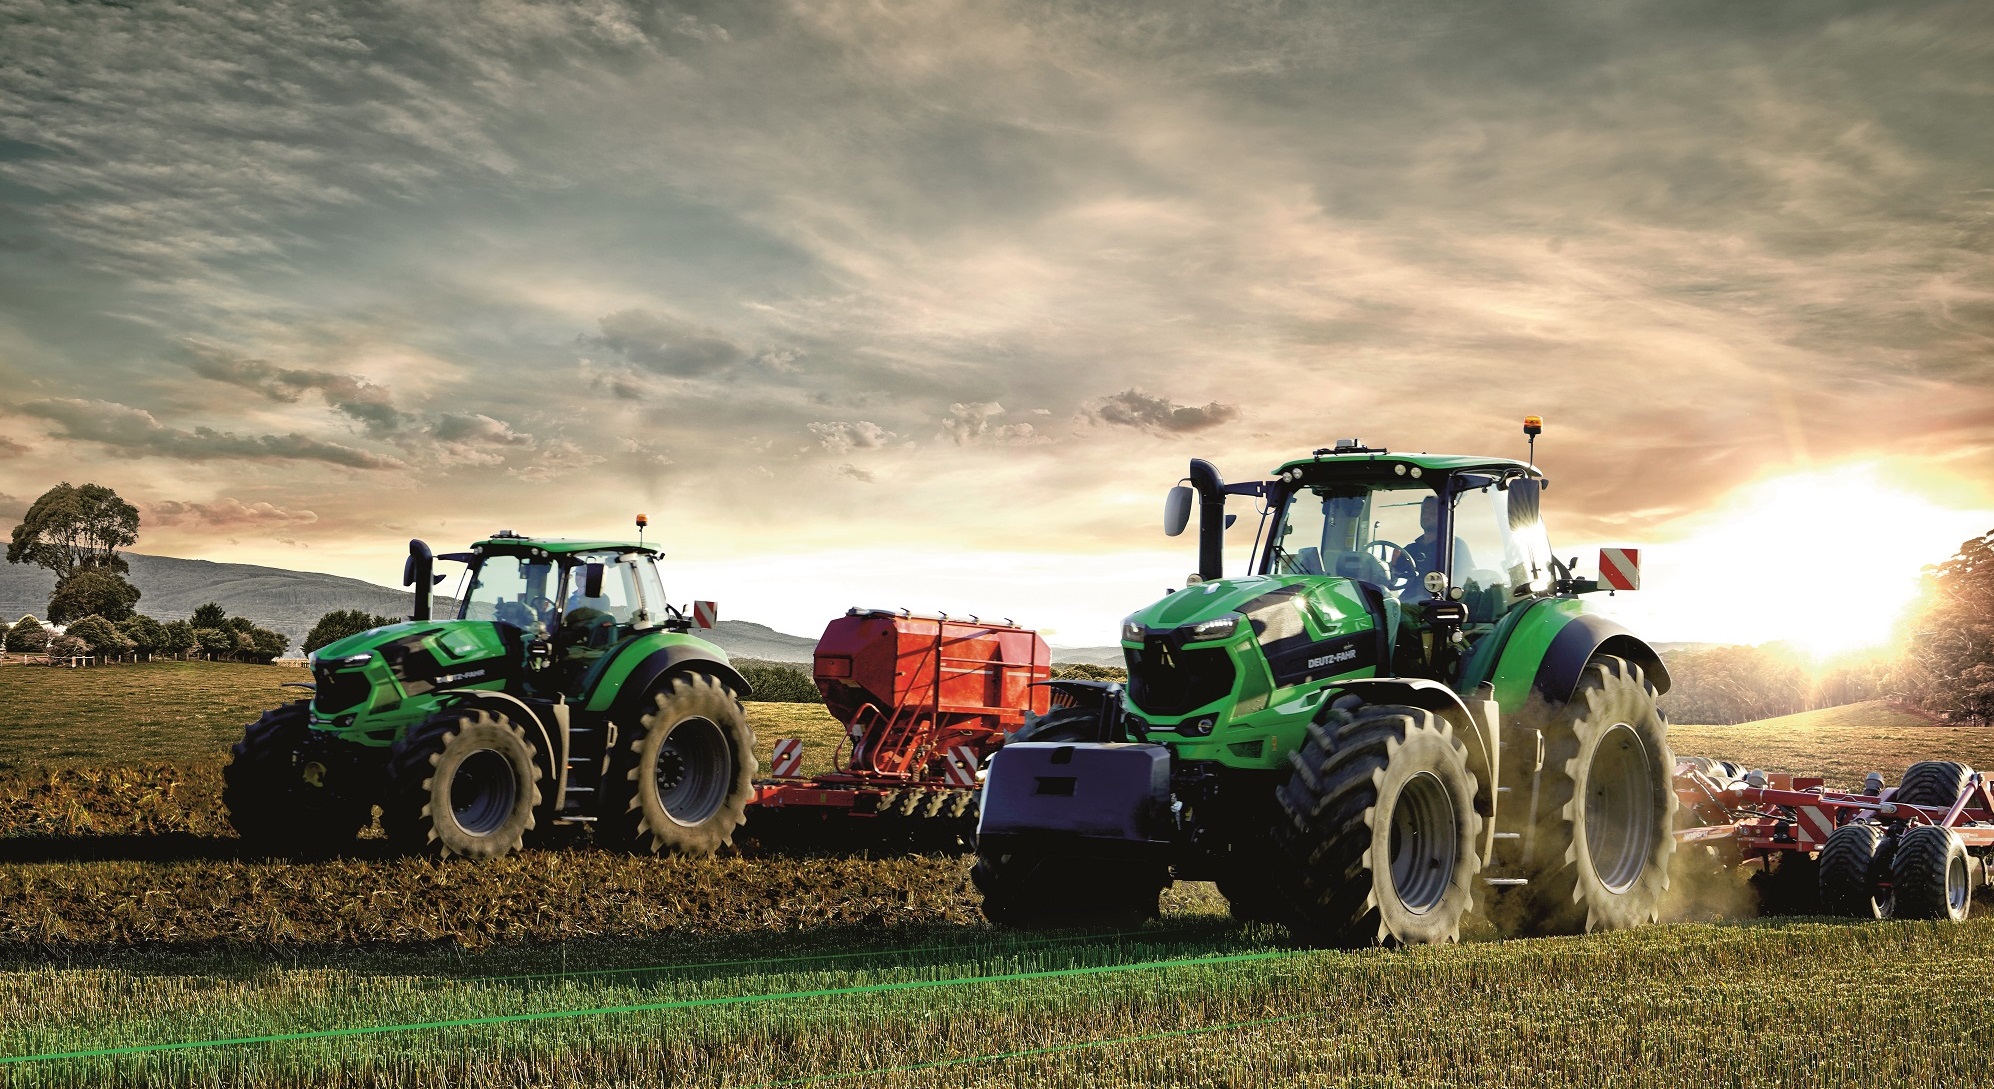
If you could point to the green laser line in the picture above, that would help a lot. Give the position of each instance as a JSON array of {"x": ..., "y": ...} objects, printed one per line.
[
  {"x": 1146, "y": 936},
  {"x": 1082, "y": 1045},
  {"x": 653, "y": 1007}
]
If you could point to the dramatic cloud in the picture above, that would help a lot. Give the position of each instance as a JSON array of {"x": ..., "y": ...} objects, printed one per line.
[
  {"x": 356, "y": 397},
  {"x": 667, "y": 345},
  {"x": 968, "y": 424},
  {"x": 473, "y": 439},
  {"x": 1134, "y": 408},
  {"x": 127, "y": 428},
  {"x": 842, "y": 438},
  {"x": 226, "y": 513}
]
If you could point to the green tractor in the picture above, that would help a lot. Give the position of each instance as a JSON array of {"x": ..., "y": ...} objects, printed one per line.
[
  {"x": 565, "y": 691},
  {"x": 1403, "y": 710}
]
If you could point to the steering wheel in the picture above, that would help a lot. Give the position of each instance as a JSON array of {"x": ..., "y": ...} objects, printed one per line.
[{"x": 1396, "y": 561}]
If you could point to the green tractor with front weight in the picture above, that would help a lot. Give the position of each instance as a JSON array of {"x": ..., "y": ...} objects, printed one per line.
[
  {"x": 565, "y": 691},
  {"x": 1402, "y": 713}
]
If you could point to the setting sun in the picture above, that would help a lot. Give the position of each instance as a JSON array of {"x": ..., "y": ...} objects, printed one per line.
[{"x": 1827, "y": 560}]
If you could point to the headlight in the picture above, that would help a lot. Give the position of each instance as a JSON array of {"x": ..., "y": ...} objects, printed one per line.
[
  {"x": 1220, "y": 628},
  {"x": 1132, "y": 632},
  {"x": 357, "y": 659}
]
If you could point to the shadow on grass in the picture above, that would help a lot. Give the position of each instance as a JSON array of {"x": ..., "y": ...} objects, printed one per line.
[{"x": 658, "y": 957}]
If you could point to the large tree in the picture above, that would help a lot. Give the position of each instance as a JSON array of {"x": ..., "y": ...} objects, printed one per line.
[
  {"x": 1948, "y": 663},
  {"x": 92, "y": 591},
  {"x": 70, "y": 528}
]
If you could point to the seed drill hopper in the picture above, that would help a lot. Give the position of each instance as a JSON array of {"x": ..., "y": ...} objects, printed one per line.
[{"x": 924, "y": 701}]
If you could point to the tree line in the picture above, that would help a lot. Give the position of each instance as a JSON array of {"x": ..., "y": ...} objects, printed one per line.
[{"x": 76, "y": 532}]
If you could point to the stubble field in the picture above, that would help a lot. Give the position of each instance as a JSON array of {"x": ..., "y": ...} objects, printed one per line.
[{"x": 138, "y": 947}]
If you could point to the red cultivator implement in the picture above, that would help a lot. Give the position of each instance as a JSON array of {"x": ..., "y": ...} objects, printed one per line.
[
  {"x": 925, "y": 700},
  {"x": 1916, "y": 851}
]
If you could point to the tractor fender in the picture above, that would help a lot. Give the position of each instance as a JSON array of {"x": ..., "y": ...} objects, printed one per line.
[
  {"x": 1575, "y": 644},
  {"x": 551, "y": 744},
  {"x": 1482, "y": 739},
  {"x": 659, "y": 667}
]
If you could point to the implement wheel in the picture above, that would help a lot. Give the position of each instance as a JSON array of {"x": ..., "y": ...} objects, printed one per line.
[
  {"x": 1603, "y": 846},
  {"x": 1377, "y": 842},
  {"x": 686, "y": 773},
  {"x": 1853, "y": 863},
  {"x": 1933, "y": 783},
  {"x": 278, "y": 798},
  {"x": 1031, "y": 890},
  {"x": 1931, "y": 876},
  {"x": 462, "y": 783}
]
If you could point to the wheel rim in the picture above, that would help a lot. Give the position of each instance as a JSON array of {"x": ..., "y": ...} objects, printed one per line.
[
  {"x": 482, "y": 792},
  {"x": 1620, "y": 808},
  {"x": 694, "y": 769},
  {"x": 1423, "y": 843},
  {"x": 1956, "y": 891}
]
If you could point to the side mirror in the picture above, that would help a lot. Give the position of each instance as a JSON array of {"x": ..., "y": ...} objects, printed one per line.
[
  {"x": 1176, "y": 510},
  {"x": 1525, "y": 502},
  {"x": 592, "y": 580}
]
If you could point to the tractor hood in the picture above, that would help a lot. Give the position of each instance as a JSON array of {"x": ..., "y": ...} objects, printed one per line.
[
  {"x": 377, "y": 669},
  {"x": 1245, "y": 640},
  {"x": 1330, "y": 606}
]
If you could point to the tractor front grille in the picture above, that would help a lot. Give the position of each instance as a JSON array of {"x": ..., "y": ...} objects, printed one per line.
[
  {"x": 338, "y": 689},
  {"x": 1167, "y": 680}
]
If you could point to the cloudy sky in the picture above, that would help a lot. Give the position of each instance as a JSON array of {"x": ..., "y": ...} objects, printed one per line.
[{"x": 926, "y": 303}]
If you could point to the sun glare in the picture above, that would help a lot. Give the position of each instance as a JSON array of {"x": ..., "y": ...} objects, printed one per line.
[{"x": 1827, "y": 561}]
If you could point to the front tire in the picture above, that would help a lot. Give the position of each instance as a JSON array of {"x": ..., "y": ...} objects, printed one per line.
[
  {"x": 462, "y": 783},
  {"x": 1378, "y": 842},
  {"x": 1603, "y": 843},
  {"x": 278, "y": 799},
  {"x": 1931, "y": 875},
  {"x": 687, "y": 772}
]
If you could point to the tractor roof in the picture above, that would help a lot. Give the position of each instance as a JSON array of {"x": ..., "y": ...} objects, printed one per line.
[
  {"x": 514, "y": 543},
  {"x": 1367, "y": 463}
]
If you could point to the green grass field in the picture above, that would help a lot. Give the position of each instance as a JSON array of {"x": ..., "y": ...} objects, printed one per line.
[{"x": 128, "y": 922}]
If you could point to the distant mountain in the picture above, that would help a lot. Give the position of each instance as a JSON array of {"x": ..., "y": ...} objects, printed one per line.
[{"x": 285, "y": 601}]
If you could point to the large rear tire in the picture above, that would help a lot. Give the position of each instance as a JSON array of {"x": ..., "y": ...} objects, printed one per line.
[
  {"x": 1853, "y": 862},
  {"x": 1602, "y": 843},
  {"x": 1933, "y": 783},
  {"x": 1030, "y": 890},
  {"x": 462, "y": 783},
  {"x": 1378, "y": 842},
  {"x": 686, "y": 773},
  {"x": 278, "y": 799},
  {"x": 1931, "y": 876}
]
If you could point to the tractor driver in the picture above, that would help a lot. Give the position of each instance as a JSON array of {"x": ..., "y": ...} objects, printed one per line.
[
  {"x": 587, "y": 625},
  {"x": 1424, "y": 550}
]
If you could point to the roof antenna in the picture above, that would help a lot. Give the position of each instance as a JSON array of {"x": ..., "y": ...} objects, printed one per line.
[
  {"x": 642, "y": 521},
  {"x": 1533, "y": 426}
]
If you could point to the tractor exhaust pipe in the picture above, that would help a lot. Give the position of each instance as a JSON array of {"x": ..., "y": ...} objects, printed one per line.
[
  {"x": 1211, "y": 519},
  {"x": 419, "y": 572}
]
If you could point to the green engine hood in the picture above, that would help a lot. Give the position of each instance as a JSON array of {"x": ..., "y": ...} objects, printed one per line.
[{"x": 1329, "y": 606}]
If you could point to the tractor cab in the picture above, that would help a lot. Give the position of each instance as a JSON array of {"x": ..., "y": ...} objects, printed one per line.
[
  {"x": 1450, "y": 541},
  {"x": 569, "y": 602}
]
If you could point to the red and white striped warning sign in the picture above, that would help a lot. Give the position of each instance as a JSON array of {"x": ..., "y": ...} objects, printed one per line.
[
  {"x": 1620, "y": 568},
  {"x": 788, "y": 756},
  {"x": 961, "y": 770},
  {"x": 705, "y": 614},
  {"x": 1813, "y": 824}
]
